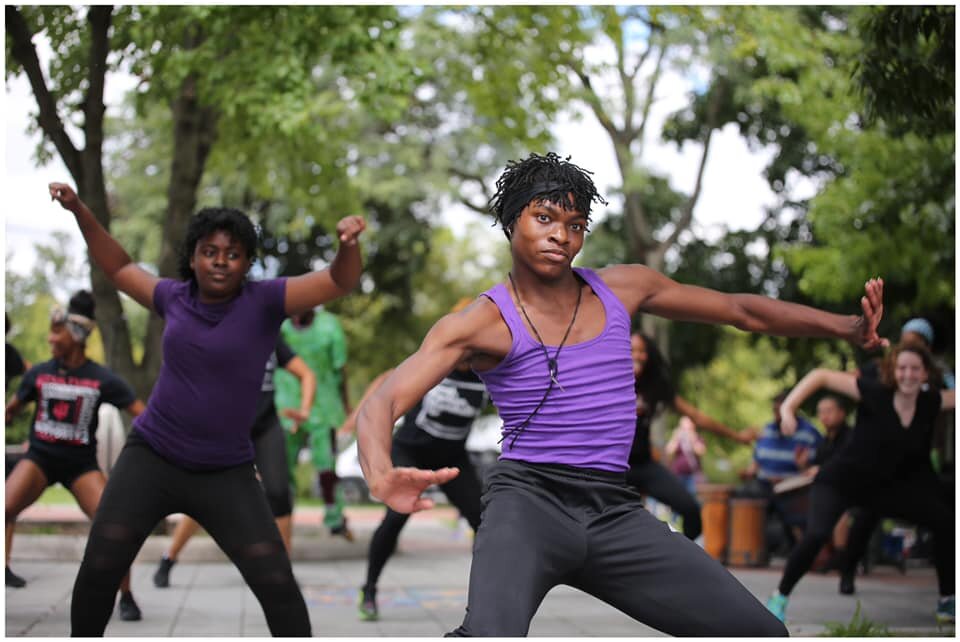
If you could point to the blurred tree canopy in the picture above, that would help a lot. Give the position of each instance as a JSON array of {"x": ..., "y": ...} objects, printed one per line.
[{"x": 884, "y": 203}]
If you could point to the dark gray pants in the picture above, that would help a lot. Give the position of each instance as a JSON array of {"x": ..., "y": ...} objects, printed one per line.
[{"x": 545, "y": 525}]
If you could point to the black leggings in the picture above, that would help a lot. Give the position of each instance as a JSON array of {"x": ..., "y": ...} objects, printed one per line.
[
  {"x": 269, "y": 444},
  {"x": 229, "y": 503},
  {"x": 920, "y": 501},
  {"x": 548, "y": 525},
  {"x": 652, "y": 479},
  {"x": 463, "y": 491}
]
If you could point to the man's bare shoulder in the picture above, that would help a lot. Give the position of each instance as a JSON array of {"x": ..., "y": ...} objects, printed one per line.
[
  {"x": 625, "y": 274},
  {"x": 632, "y": 283},
  {"x": 473, "y": 320},
  {"x": 479, "y": 328}
]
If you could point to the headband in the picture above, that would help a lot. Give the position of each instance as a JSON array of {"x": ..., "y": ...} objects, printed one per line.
[
  {"x": 516, "y": 201},
  {"x": 78, "y": 325}
]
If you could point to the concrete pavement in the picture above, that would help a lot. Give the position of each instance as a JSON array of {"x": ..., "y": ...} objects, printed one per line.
[{"x": 422, "y": 590}]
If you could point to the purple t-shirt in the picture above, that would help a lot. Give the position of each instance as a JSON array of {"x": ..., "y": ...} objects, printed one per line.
[
  {"x": 590, "y": 422},
  {"x": 201, "y": 408}
]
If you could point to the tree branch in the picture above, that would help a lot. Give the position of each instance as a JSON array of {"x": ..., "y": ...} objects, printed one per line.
[
  {"x": 648, "y": 99},
  {"x": 99, "y": 18},
  {"x": 50, "y": 123},
  {"x": 593, "y": 101},
  {"x": 686, "y": 217},
  {"x": 473, "y": 178},
  {"x": 476, "y": 208}
]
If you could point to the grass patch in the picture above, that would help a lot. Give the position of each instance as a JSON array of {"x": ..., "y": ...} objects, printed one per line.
[{"x": 857, "y": 627}]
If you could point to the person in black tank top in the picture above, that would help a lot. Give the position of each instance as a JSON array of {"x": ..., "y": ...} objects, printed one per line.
[
  {"x": 548, "y": 522},
  {"x": 884, "y": 467}
]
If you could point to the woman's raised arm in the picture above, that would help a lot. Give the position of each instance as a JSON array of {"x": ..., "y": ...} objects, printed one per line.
[{"x": 127, "y": 276}]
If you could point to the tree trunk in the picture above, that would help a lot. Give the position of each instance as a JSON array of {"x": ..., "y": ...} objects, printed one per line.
[
  {"x": 91, "y": 187},
  {"x": 194, "y": 131}
]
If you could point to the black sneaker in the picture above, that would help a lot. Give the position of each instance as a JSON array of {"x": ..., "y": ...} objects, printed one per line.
[
  {"x": 846, "y": 584},
  {"x": 14, "y": 580},
  {"x": 367, "y": 605},
  {"x": 342, "y": 530},
  {"x": 161, "y": 579},
  {"x": 129, "y": 611}
]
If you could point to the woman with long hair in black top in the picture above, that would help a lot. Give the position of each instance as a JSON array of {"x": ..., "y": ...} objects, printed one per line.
[{"x": 654, "y": 390}]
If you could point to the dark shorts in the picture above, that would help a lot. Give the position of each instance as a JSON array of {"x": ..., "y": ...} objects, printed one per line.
[{"x": 59, "y": 469}]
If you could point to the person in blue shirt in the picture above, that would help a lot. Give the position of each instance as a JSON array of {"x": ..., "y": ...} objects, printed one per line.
[{"x": 777, "y": 457}]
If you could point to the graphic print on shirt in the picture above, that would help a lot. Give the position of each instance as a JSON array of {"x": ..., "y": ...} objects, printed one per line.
[
  {"x": 66, "y": 406},
  {"x": 448, "y": 410},
  {"x": 269, "y": 369}
]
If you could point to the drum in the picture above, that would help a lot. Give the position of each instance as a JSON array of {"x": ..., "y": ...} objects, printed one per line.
[
  {"x": 747, "y": 542},
  {"x": 793, "y": 495},
  {"x": 714, "y": 513}
]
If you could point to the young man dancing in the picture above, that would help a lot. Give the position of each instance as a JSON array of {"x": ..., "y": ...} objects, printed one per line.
[{"x": 552, "y": 345}]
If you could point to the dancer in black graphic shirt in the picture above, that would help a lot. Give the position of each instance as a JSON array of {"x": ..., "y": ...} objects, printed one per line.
[{"x": 68, "y": 391}]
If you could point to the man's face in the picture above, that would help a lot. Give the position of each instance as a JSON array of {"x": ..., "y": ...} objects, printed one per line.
[
  {"x": 547, "y": 237},
  {"x": 830, "y": 414},
  {"x": 60, "y": 340}
]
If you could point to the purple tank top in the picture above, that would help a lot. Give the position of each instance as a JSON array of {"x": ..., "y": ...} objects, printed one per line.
[{"x": 590, "y": 422}]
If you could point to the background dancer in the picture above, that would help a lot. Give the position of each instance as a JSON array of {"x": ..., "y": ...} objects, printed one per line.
[
  {"x": 777, "y": 457},
  {"x": 683, "y": 452},
  {"x": 317, "y": 337},
  {"x": 433, "y": 435},
  {"x": 271, "y": 456},
  {"x": 552, "y": 345},
  {"x": 884, "y": 467},
  {"x": 654, "y": 388},
  {"x": 68, "y": 390},
  {"x": 190, "y": 451}
]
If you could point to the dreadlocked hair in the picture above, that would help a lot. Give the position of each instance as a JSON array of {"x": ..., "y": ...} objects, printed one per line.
[
  {"x": 211, "y": 219},
  {"x": 542, "y": 178}
]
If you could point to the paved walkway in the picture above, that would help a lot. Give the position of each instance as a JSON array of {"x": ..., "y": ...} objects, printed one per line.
[{"x": 422, "y": 590}]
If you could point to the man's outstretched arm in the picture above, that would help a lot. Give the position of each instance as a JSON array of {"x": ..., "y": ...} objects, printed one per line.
[
  {"x": 447, "y": 343},
  {"x": 644, "y": 290}
]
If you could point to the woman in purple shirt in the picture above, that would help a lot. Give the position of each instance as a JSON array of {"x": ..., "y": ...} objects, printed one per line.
[
  {"x": 190, "y": 451},
  {"x": 552, "y": 345}
]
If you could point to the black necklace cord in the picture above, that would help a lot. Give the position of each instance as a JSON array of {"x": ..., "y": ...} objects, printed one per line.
[{"x": 553, "y": 367}]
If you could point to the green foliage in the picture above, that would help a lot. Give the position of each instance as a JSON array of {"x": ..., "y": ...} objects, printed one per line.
[
  {"x": 892, "y": 215},
  {"x": 906, "y": 70},
  {"x": 857, "y": 627},
  {"x": 736, "y": 387},
  {"x": 885, "y": 203}
]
